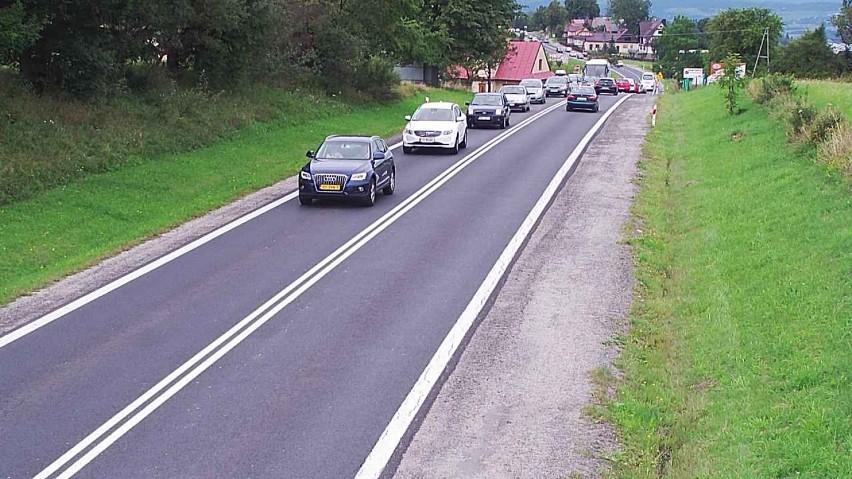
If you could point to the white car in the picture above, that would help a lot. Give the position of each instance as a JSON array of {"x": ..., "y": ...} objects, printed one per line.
[
  {"x": 517, "y": 96},
  {"x": 535, "y": 90},
  {"x": 649, "y": 82},
  {"x": 619, "y": 63},
  {"x": 435, "y": 125}
]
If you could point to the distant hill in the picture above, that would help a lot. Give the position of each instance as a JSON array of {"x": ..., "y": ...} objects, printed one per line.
[{"x": 798, "y": 16}]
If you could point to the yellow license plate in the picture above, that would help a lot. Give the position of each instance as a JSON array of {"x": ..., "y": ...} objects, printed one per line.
[{"x": 330, "y": 187}]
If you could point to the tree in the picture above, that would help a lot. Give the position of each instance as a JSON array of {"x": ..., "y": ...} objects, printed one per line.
[
  {"x": 843, "y": 22},
  {"x": 731, "y": 83},
  {"x": 740, "y": 31},
  {"x": 555, "y": 16},
  {"x": 17, "y": 32},
  {"x": 631, "y": 12},
  {"x": 577, "y": 9},
  {"x": 808, "y": 56},
  {"x": 674, "y": 45}
]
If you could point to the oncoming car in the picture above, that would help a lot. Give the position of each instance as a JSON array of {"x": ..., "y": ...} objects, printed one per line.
[
  {"x": 556, "y": 86},
  {"x": 348, "y": 167},
  {"x": 488, "y": 109},
  {"x": 535, "y": 90},
  {"x": 517, "y": 96},
  {"x": 435, "y": 125}
]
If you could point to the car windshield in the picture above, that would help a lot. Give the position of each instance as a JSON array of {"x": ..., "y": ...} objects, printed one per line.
[
  {"x": 557, "y": 81},
  {"x": 514, "y": 90},
  {"x": 433, "y": 114},
  {"x": 344, "y": 150},
  {"x": 492, "y": 100},
  {"x": 647, "y": 76},
  {"x": 531, "y": 83},
  {"x": 606, "y": 80},
  {"x": 584, "y": 90}
]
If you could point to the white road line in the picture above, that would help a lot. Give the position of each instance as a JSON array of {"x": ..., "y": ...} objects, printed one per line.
[
  {"x": 112, "y": 286},
  {"x": 390, "y": 438},
  {"x": 184, "y": 374}
]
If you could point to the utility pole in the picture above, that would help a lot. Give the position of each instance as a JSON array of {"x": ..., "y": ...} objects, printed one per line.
[{"x": 763, "y": 41}]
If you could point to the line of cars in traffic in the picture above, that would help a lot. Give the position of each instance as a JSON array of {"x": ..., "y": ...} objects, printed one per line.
[{"x": 358, "y": 167}]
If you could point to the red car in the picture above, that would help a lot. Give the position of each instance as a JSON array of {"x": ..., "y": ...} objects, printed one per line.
[
  {"x": 623, "y": 85},
  {"x": 634, "y": 86}
]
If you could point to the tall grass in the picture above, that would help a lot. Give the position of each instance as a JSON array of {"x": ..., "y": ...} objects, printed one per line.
[{"x": 738, "y": 360}]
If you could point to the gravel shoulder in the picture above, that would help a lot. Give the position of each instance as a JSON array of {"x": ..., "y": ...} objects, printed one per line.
[{"x": 513, "y": 406}]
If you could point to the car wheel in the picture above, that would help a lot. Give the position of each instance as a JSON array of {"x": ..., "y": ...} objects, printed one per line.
[
  {"x": 305, "y": 200},
  {"x": 455, "y": 149},
  {"x": 389, "y": 189},
  {"x": 464, "y": 141},
  {"x": 568, "y": 108},
  {"x": 370, "y": 199},
  {"x": 597, "y": 108},
  {"x": 506, "y": 122},
  {"x": 407, "y": 149}
]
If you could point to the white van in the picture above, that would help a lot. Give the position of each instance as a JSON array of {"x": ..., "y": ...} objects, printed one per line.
[{"x": 649, "y": 82}]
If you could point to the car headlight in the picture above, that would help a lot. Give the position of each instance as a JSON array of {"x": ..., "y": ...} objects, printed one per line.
[
  {"x": 408, "y": 132},
  {"x": 446, "y": 132},
  {"x": 305, "y": 175},
  {"x": 498, "y": 113},
  {"x": 359, "y": 176}
]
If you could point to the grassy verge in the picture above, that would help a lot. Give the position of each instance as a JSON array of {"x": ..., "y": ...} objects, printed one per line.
[
  {"x": 65, "y": 229},
  {"x": 647, "y": 65},
  {"x": 739, "y": 357},
  {"x": 823, "y": 93}
]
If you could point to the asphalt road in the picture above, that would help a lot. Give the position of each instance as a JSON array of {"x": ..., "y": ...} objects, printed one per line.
[{"x": 309, "y": 390}]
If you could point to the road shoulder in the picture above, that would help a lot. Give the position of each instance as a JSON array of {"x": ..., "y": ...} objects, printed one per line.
[{"x": 513, "y": 406}]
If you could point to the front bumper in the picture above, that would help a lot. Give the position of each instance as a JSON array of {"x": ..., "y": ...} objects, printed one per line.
[
  {"x": 476, "y": 120},
  {"x": 442, "y": 141},
  {"x": 539, "y": 98},
  {"x": 562, "y": 93},
  {"x": 352, "y": 189},
  {"x": 519, "y": 106}
]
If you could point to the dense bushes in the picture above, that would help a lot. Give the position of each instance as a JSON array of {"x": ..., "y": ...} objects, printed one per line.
[{"x": 826, "y": 129}]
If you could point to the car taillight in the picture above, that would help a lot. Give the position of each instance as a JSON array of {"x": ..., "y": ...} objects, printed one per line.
[
  {"x": 570, "y": 97},
  {"x": 593, "y": 98}
]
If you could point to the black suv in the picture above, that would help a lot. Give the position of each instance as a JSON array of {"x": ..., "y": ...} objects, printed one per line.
[
  {"x": 488, "y": 109},
  {"x": 348, "y": 167},
  {"x": 606, "y": 85}
]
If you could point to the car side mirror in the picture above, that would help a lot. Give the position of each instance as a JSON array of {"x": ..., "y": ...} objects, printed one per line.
[
  {"x": 310, "y": 154},
  {"x": 378, "y": 155},
  {"x": 467, "y": 103},
  {"x": 407, "y": 117},
  {"x": 461, "y": 118}
]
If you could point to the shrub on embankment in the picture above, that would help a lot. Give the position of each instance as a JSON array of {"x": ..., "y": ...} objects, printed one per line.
[{"x": 824, "y": 128}]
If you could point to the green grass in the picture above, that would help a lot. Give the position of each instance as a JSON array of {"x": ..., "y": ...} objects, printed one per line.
[
  {"x": 824, "y": 92},
  {"x": 739, "y": 358},
  {"x": 65, "y": 229},
  {"x": 647, "y": 65}
]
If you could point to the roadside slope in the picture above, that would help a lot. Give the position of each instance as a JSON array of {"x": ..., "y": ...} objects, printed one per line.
[
  {"x": 738, "y": 361},
  {"x": 513, "y": 406}
]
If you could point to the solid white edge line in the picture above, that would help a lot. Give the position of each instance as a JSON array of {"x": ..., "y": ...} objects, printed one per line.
[
  {"x": 390, "y": 438},
  {"x": 297, "y": 288},
  {"x": 127, "y": 278}
]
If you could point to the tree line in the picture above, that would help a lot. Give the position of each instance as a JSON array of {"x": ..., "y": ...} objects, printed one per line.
[
  {"x": 89, "y": 48},
  {"x": 686, "y": 42},
  {"x": 626, "y": 14}
]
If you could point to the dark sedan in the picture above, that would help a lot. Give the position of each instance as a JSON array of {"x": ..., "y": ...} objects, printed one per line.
[
  {"x": 606, "y": 85},
  {"x": 582, "y": 98},
  {"x": 488, "y": 109},
  {"x": 348, "y": 167}
]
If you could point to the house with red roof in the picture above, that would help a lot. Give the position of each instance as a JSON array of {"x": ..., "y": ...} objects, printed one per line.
[{"x": 523, "y": 60}]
